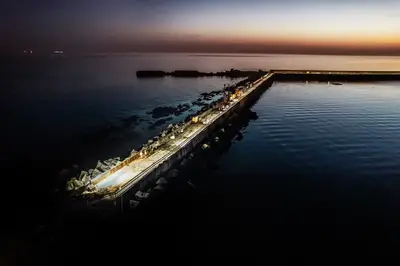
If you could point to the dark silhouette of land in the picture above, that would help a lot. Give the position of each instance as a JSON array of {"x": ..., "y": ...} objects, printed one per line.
[{"x": 233, "y": 73}]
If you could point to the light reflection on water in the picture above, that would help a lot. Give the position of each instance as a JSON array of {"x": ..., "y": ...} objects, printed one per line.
[
  {"x": 318, "y": 154},
  {"x": 348, "y": 126}
]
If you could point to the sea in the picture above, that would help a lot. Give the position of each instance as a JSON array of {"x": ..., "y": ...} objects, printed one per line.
[{"x": 320, "y": 162}]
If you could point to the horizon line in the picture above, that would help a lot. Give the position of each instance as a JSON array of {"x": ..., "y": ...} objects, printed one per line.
[{"x": 66, "y": 53}]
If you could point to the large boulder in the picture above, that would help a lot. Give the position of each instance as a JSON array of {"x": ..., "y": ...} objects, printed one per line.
[
  {"x": 205, "y": 146},
  {"x": 70, "y": 186},
  {"x": 82, "y": 175},
  {"x": 163, "y": 111},
  {"x": 181, "y": 108},
  {"x": 86, "y": 180},
  {"x": 161, "y": 181},
  {"x": 184, "y": 162},
  {"x": 91, "y": 188},
  {"x": 102, "y": 166},
  {"x": 96, "y": 172},
  {"x": 173, "y": 173},
  {"x": 78, "y": 184},
  {"x": 133, "y": 204}
]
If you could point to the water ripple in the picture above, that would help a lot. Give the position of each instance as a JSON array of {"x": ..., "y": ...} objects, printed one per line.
[{"x": 349, "y": 130}]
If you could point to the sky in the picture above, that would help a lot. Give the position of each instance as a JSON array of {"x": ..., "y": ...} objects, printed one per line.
[{"x": 255, "y": 26}]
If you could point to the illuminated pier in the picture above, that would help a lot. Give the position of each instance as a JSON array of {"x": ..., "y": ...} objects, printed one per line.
[{"x": 118, "y": 185}]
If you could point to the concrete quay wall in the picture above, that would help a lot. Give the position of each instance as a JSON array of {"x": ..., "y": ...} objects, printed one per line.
[
  {"x": 121, "y": 198},
  {"x": 122, "y": 201},
  {"x": 325, "y": 76}
]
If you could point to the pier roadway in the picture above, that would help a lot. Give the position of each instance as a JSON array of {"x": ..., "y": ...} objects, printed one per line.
[
  {"x": 126, "y": 177},
  {"x": 139, "y": 172}
]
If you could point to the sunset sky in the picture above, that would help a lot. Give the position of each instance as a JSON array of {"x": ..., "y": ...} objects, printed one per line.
[{"x": 308, "y": 26}]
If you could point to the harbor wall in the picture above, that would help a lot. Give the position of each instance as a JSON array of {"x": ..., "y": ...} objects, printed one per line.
[
  {"x": 325, "y": 76},
  {"x": 122, "y": 201}
]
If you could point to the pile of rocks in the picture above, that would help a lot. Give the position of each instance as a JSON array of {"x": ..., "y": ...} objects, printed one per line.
[
  {"x": 84, "y": 178},
  {"x": 164, "y": 111}
]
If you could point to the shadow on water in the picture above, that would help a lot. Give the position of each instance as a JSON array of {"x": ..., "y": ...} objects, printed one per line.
[
  {"x": 32, "y": 177},
  {"x": 165, "y": 218},
  {"x": 216, "y": 213},
  {"x": 34, "y": 190},
  {"x": 39, "y": 225},
  {"x": 206, "y": 212}
]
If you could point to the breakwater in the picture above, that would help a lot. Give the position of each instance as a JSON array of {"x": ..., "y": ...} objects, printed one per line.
[
  {"x": 118, "y": 186},
  {"x": 326, "y": 76},
  {"x": 213, "y": 120},
  {"x": 233, "y": 73}
]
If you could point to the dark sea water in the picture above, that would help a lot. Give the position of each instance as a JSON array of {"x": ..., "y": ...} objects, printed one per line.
[
  {"x": 319, "y": 162},
  {"x": 53, "y": 101},
  {"x": 319, "y": 166},
  {"x": 50, "y": 103}
]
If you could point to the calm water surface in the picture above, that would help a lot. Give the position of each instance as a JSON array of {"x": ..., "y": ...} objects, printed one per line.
[
  {"x": 317, "y": 153},
  {"x": 49, "y": 102},
  {"x": 321, "y": 163}
]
